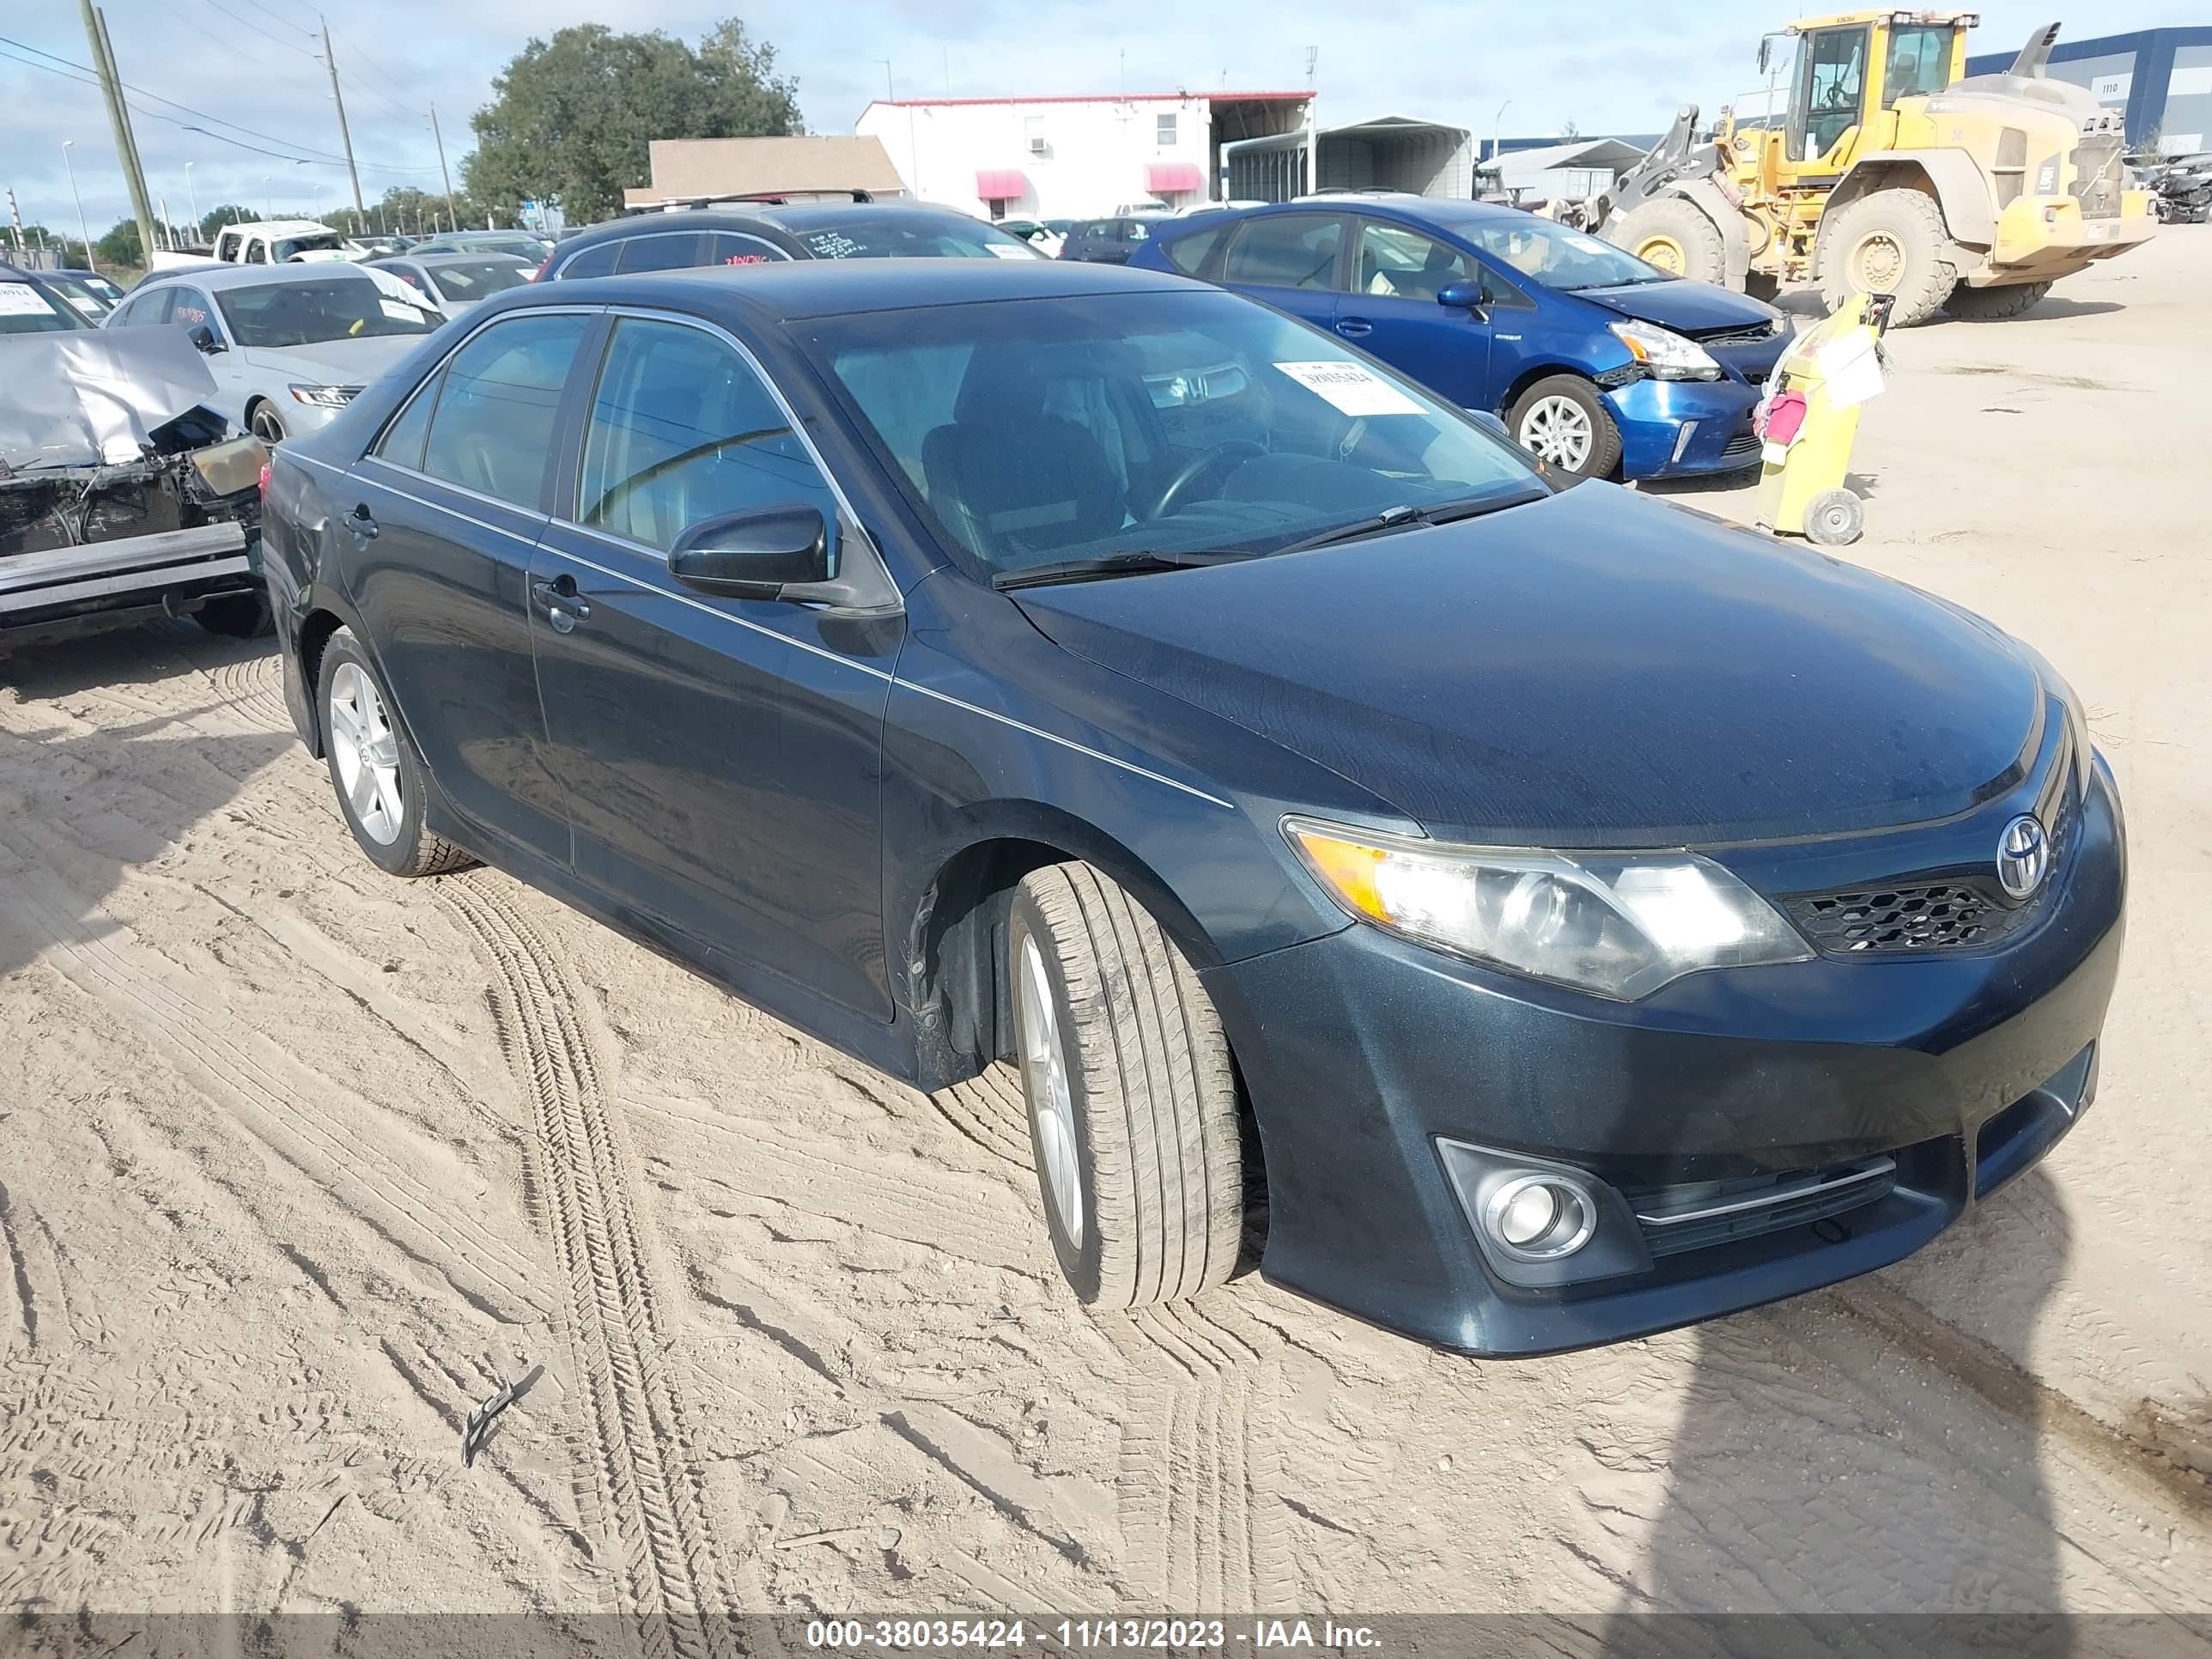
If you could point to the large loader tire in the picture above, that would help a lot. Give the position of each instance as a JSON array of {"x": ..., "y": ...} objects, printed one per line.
[
  {"x": 1891, "y": 241},
  {"x": 1983, "y": 305},
  {"x": 1673, "y": 233}
]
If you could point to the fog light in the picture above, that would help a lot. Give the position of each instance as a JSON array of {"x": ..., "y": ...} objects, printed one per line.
[{"x": 1539, "y": 1218}]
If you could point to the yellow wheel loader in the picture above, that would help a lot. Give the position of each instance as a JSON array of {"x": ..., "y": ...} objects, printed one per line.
[{"x": 1886, "y": 169}]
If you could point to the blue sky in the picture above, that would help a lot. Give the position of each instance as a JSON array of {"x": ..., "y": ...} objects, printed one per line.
[{"x": 1606, "y": 67}]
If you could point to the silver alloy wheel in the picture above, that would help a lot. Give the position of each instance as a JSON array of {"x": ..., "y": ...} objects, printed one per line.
[
  {"x": 267, "y": 425},
  {"x": 366, "y": 751},
  {"x": 1044, "y": 1080},
  {"x": 1559, "y": 429}
]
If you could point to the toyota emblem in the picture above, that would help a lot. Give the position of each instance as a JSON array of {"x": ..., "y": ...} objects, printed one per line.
[{"x": 2023, "y": 856}]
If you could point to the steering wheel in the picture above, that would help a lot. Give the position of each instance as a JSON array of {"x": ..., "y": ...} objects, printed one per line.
[{"x": 1196, "y": 468}]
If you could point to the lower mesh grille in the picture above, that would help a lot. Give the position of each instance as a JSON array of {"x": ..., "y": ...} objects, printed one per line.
[
  {"x": 1744, "y": 447},
  {"x": 1678, "y": 1219}
]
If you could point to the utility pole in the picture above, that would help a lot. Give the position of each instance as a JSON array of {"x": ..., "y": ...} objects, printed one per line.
[
  {"x": 84, "y": 229},
  {"x": 344, "y": 136},
  {"x": 119, "y": 121},
  {"x": 442, "y": 174}
]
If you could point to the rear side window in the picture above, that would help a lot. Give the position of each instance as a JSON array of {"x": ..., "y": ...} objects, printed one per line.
[
  {"x": 682, "y": 430},
  {"x": 492, "y": 429},
  {"x": 592, "y": 262},
  {"x": 673, "y": 252},
  {"x": 189, "y": 308},
  {"x": 730, "y": 247},
  {"x": 1285, "y": 250},
  {"x": 1187, "y": 253}
]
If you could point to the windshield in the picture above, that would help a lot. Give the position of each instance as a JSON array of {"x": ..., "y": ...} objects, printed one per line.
[
  {"x": 905, "y": 232},
  {"x": 25, "y": 310},
  {"x": 1039, "y": 431},
  {"x": 308, "y": 313},
  {"x": 80, "y": 295},
  {"x": 1555, "y": 255},
  {"x": 479, "y": 279}
]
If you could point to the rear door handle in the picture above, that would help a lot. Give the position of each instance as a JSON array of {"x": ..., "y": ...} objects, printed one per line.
[
  {"x": 564, "y": 609},
  {"x": 1353, "y": 328},
  {"x": 361, "y": 521}
]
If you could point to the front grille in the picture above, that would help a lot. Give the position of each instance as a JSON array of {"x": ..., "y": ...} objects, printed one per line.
[
  {"x": 2098, "y": 177},
  {"x": 1690, "y": 1217},
  {"x": 1956, "y": 913},
  {"x": 1751, "y": 335}
]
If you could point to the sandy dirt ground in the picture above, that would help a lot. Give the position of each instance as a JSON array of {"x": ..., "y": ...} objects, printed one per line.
[{"x": 297, "y": 1163}]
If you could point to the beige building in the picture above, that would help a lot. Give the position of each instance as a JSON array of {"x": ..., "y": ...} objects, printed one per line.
[{"x": 694, "y": 172}]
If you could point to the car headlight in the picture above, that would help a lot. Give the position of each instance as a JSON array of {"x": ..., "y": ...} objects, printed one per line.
[
  {"x": 1665, "y": 354},
  {"x": 1621, "y": 925},
  {"x": 326, "y": 397}
]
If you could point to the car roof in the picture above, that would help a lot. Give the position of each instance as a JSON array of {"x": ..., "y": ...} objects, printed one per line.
[
  {"x": 440, "y": 259},
  {"x": 220, "y": 276},
  {"x": 282, "y": 226},
  {"x": 803, "y": 289}
]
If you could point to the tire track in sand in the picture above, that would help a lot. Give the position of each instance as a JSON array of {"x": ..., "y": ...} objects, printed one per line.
[{"x": 633, "y": 1480}]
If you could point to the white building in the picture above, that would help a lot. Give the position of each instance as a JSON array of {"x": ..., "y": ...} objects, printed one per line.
[{"x": 1073, "y": 157}]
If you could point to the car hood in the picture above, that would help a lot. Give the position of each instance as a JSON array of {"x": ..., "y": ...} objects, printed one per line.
[
  {"x": 1691, "y": 309},
  {"x": 336, "y": 362},
  {"x": 1593, "y": 668}
]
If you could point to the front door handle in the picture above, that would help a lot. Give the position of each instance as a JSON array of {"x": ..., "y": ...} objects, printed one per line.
[
  {"x": 361, "y": 521},
  {"x": 564, "y": 609},
  {"x": 1353, "y": 328}
]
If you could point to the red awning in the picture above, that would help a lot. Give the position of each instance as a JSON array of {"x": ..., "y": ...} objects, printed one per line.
[
  {"x": 1164, "y": 178},
  {"x": 1000, "y": 184}
]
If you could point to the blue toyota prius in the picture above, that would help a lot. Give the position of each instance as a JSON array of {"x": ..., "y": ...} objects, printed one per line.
[
  {"x": 1524, "y": 918},
  {"x": 1603, "y": 365}
]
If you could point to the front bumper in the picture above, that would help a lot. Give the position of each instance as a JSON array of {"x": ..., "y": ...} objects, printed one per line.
[
  {"x": 1361, "y": 1052},
  {"x": 2040, "y": 237},
  {"x": 1675, "y": 428}
]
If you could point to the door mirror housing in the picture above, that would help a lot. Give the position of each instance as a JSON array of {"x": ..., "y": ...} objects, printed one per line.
[
  {"x": 784, "y": 554},
  {"x": 1462, "y": 295},
  {"x": 1492, "y": 423},
  {"x": 203, "y": 337},
  {"x": 1766, "y": 52}
]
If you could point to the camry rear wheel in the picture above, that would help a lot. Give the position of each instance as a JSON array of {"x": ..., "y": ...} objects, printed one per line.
[
  {"x": 1563, "y": 420},
  {"x": 1131, "y": 1098},
  {"x": 375, "y": 770}
]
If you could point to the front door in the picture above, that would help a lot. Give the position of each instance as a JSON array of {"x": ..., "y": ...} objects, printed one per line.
[
  {"x": 1829, "y": 96},
  {"x": 720, "y": 757},
  {"x": 1290, "y": 260},
  {"x": 443, "y": 511},
  {"x": 1390, "y": 310}
]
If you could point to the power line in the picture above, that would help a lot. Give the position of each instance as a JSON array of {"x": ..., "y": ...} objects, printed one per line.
[
  {"x": 200, "y": 114},
  {"x": 353, "y": 47},
  {"x": 247, "y": 23},
  {"x": 273, "y": 17}
]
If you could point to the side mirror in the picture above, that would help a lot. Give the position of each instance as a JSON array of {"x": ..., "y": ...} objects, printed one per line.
[
  {"x": 756, "y": 554},
  {"x": 1492, "y": 423},
  {"x": 1766, "y": 52},
  {"x": 203, "y": 337},
  {"x": 1462, "y": 296}
]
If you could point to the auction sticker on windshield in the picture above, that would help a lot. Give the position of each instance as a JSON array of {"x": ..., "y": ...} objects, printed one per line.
[
  {"x": 400, "y": 313},
  {"x": 1352, "y": 388},
  {"x": 21, "y": 300}
]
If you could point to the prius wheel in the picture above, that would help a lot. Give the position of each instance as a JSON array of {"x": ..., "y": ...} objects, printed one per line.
[
  {"x": 377, "y": 779},
  {"x": 265, "y": 423},
  {"x": 1563, "y": 421},
  {"x": 1132, "y": 1097}
]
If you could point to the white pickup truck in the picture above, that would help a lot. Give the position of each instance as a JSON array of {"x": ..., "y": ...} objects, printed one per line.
[{"x": 267, "y": 242}]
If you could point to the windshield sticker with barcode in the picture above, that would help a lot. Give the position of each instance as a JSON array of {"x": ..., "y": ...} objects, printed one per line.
[
  {"x": 1352, "y": 388},
  {"x": 21, "y": 300}
]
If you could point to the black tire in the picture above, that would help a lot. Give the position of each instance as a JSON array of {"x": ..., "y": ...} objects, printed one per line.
[
  {"x": 1834, "y": 518},
  {"x": 1891, "y": 241},
  {"x": 237, "y": 616},
  {"x": 1158, "y": 1165},
  {"x": 1685, "y": 243},
  {"x": 1988, "y": 305},
  {"x": 410, "y": 849},
  {"x": 1603, "y": 454},
  {"x": 263, "y": 422}
]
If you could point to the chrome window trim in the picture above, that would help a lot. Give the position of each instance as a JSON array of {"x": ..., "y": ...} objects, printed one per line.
[{"x": 781, "y": 254}]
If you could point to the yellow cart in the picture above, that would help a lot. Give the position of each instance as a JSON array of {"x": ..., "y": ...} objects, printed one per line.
[{"x": 1835, "y": 366}]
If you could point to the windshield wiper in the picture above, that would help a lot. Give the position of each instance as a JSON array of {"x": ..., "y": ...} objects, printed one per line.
[
  {"x": 1406, "y": 517},
  {"x": 1136, "y": 562}
]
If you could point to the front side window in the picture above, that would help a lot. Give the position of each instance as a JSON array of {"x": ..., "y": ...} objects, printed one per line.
[
  {"x": 1286, "y": 250},
  {"x": 1556, "y": 255},
  {"x": 1034, "y": 434},
  {"x": 189, "y": 308},
  {"x": 730, "y": 247},
  {"x": 681, "y": 430},
  {"x": 312, "y": 310},
  {"x": 256, "y": 251},
  {"x": 1919, "y": 61},
  {"x": 1398, "y": 263},
  {"x": 493, "y": 429}
]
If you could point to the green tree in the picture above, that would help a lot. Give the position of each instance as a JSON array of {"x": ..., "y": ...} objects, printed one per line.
[
  {"x": 121, "y": 246},
  {"x": 570, "y": 118},
  {"x": 228, "y": 213}
]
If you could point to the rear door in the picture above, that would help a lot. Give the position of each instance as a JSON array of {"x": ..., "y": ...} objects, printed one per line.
[
  {"x": 440, "y": 516},
  {"x": 1390, "y": 309},
  {"x": 720, "y": 757},
  {"x": 1290, "y": 260}
]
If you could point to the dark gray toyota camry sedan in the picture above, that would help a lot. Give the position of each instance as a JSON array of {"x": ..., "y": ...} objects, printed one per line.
[{"x": 1523, "y": 918}]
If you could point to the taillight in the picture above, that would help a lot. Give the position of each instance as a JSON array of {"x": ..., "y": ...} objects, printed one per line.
[
  {"x": 265, "y": 483},
  {"x": 538, "y": 274}
]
